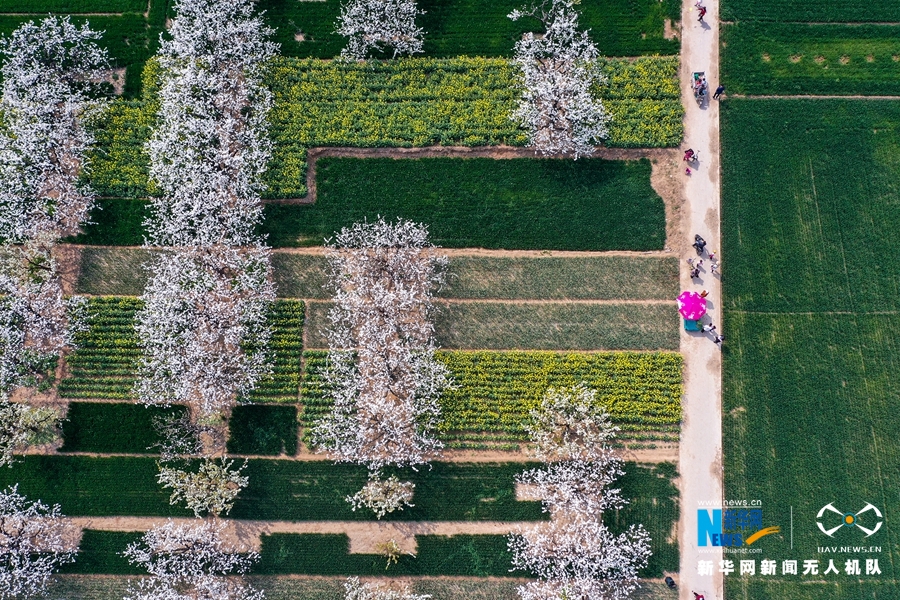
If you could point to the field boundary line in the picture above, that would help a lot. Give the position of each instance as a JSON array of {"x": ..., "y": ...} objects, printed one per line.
[
  {"x": 807, "y": 313},
  {"x": 843, "y": 23},
  {"x": 664, "y": 452},
  {"x": 461, "y": 252},
  {"x": 365, "y": 536},
  {"x": 811, "y": 97}
]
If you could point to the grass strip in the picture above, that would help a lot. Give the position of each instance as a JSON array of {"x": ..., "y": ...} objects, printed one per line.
[
  {"x": 265, "y": 430},
  {"x": 819, "y": 59},
  {"x": 74, "y": 6},
  {"x": 279, "y": 489},
  {"x": 118, "y": 272},
  {"x": 105, "y": 427},
  {"x": 529, "y": 204},
  {"x": 857, "y": 11},
  {"x": 317, "y": 587},
  {"x": 101, "y": 552},
  {"x": 322, "y": 554},
  {"x": 112, "y": 271},
  {"x": 504, "y": 278},
  {"x": 552, "y": 326},
  {"x": 473, "y": 28}
]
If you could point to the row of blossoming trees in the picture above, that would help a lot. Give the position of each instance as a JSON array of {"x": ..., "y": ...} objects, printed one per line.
[
  {"x": 203, "y": 326},
  {"x": 48, "y": 74}
]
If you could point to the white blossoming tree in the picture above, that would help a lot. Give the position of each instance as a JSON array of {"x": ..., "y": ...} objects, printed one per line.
[
  {"x": 575, "y": 555},
  {"x": 210, "y": 146},
  {"x": 355, "y": 590},
  {"x": 22, "y": 425},
  {"x": 377, "y": 25},
  {"x": 32, "y": 545},
  {"x": 558, "y": 69},
  {"x": 190, "y": 562},
  {"x": 382, "y": 374},
  {"x": 383, "y": 496},
  {"x": 211, "y": 489},
  {"x": 48, "y": 75},
  {"x": 579, "y": 557},
  {"x": 203, "y": 327}
]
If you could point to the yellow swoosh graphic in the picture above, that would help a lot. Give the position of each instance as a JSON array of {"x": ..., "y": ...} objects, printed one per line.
[{"x": 762, "y": 533}]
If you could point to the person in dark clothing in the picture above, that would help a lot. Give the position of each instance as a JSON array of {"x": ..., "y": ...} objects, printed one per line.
[
  {"x": 702, "y": 13},
  {"x": 719, "y": 91}
]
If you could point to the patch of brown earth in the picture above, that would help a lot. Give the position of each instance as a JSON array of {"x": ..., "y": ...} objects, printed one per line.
[{"x": 68, "y": 264}]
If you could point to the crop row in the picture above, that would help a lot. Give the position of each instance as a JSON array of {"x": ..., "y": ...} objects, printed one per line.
[
  {"x": 104, "y": 365},
  {"x": 414, "y": 102}
]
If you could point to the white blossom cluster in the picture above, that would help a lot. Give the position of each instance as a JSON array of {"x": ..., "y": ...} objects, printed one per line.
[
  {"x": 355, "y": 590},
  {"x": 383, "y": 496},
  {"x": 48, "y": 73},
  {"x": 190, "y": 562},
  {"x": 203, "y": 327},
  {"x": 379, "y": 24},
  {"x": 558, "y": 69},
  {"x": 210, "y": 147},
  {"x": 32, "y": 545},
  {"x": 212, "y": 489},
  {"x": 382, "y": 373},
  {"x": 574, "y": 555},
  {"x": 22, "y": 425}
]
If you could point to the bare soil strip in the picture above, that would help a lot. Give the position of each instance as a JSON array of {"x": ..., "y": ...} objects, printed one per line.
[
  {"x": 661, "y": 452},
  {"x": 365, "y": 536}
]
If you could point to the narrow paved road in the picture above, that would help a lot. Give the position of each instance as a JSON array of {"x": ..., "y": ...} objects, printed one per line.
[{"x": 701, "y": 435}]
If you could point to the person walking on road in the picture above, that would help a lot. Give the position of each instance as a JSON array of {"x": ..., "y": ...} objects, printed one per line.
[
  {"x": 699, "y": 596},
  {"x": 719, "y": 91},
  {"x": 702, "y": 11}
]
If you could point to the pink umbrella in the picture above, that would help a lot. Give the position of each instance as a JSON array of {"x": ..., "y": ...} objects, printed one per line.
[{"x": 691, "y": 305}]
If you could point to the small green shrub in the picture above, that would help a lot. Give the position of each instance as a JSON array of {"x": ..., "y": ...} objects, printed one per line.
[{"x": 259, "y": 429}]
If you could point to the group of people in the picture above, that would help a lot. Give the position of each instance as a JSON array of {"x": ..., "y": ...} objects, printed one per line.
[{"x": 695, "y": 264}]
